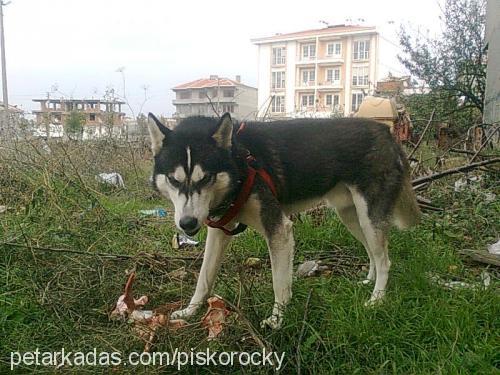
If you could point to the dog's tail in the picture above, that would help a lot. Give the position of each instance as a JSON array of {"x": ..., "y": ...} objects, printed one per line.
[{"x": 406, "y": 210}]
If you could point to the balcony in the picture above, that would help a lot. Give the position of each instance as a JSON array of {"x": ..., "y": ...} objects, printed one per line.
[
  {"x": 305, "y": 85},
  {"x": 327, "y": 85},
  {"x": 330, "y": 60}
]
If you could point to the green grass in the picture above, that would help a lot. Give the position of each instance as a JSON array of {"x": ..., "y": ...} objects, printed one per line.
[{"x": 50, "y": 300}]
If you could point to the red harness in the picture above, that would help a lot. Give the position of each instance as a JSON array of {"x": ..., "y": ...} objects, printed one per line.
[{"x": 243, "y": 195}]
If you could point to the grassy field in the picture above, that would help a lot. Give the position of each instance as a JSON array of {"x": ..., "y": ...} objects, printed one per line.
[{"x": 52, "y": 299}]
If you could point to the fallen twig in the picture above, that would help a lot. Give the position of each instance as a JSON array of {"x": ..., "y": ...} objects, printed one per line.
[
  {"x": 101, "y": 255},
  {"x": 251, "y": 329},
  {"x": 482, "y": 256},
  {"x": 464, "y": 168}
]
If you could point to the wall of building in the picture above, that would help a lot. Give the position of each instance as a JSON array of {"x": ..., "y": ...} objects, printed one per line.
[
  {"x": 246, "y": 99},
  {"x": 264, "y": 77}
]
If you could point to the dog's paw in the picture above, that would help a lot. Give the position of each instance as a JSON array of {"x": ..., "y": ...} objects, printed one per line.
[
  {"x": 376, "y": 299},
  {"x": 273, "y": 322},
  {"x": 183, "y": 314}
]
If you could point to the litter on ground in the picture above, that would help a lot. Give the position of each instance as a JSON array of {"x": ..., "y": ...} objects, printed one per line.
[{"x": 112, "y": 178}]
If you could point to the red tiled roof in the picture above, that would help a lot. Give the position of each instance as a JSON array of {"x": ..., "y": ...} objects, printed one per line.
[
  {"x": 332, "y": 30},
  {"x": 206, "y": 82}
]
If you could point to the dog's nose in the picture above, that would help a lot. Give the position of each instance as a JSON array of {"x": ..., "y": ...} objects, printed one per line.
[{"x": 188, "y": 223}]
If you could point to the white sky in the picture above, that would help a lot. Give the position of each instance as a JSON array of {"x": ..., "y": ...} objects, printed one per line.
[{"x": 79, "y": 45}]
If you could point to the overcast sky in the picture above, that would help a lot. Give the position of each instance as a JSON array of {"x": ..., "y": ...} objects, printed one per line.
[{"x": 77, "y": 46}]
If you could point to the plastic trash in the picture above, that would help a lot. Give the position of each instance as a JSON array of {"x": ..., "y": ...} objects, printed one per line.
[
  {"x": 112, "y": 178},
  {"x": 494, "y": 248},
  {"x": 485, "y": 282},
  {"x": 310, "y": 268},
  {"x": 157, "y": 212},
  {"x": 180, "y": 241}
]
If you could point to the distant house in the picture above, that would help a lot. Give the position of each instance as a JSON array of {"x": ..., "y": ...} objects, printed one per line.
[
  {"x": 215, "y": 95},
  {"x": 96, "y": 111},
  {"x": 393, "y": 86},
  {"x": 12, "y": 109}
]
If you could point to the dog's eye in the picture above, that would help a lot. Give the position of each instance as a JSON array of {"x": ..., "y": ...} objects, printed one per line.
[
  {"x": 205, "y": 179},
  {"x": 173, "y": 181}
]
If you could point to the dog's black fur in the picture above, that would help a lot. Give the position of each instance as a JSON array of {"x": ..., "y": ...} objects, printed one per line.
[{"x": 359, "y": 150}]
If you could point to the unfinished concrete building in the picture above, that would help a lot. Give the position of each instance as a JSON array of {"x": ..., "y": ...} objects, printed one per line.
[{"x": 96, "y": 111}]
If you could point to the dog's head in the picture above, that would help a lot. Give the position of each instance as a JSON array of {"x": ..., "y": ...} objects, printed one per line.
[{"x": 193, "y": 166}]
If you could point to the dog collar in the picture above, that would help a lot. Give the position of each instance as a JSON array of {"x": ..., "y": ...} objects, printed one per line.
[{"x": 253, "y": 169}]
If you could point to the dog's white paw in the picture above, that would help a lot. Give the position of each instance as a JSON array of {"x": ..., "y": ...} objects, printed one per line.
[
  {"x": 375, "y": 299},
  {"x": 183, "y": 314},
  {"x": 273, "y": 322}
]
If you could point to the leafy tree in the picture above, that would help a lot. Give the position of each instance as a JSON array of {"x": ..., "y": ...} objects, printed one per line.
[
  {"x": 454, "y": 63},
  {"x": 74, "y": 124}
]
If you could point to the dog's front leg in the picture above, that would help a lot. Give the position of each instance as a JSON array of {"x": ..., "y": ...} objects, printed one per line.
[
  {"x": 281, "y": 248},
  {"x": 214, "y": 249}
]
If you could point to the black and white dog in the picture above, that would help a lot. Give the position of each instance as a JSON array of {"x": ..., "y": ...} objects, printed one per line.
[{"x": 353, "y": 165}]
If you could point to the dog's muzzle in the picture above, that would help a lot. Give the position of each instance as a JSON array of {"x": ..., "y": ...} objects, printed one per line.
[{"x": 190, "y": 225}]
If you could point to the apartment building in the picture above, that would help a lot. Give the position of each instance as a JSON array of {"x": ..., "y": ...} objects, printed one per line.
[
  {"x": 206, "y": 96},
  {"x": 316, "y": 73},
  {"x": 96, "y": 111}
]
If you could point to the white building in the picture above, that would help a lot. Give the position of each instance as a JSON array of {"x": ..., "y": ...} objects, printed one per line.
[
  {"x": 208, "y": 96},
  {"x": 316, "y": 73}
]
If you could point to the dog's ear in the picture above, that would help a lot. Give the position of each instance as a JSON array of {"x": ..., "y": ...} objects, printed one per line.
[
  {"x": 224, "y": 132},
  {"x": 158, "y": 132}
]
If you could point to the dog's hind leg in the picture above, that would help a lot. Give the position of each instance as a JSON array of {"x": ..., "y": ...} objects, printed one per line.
[
  {"x": 349, "y": 218},
  {"x": 341, "y": 199},
  {"x": 281, "y": 249},
  {"x": 214, "y": 249},
  {"x": 376, "y": 239}
]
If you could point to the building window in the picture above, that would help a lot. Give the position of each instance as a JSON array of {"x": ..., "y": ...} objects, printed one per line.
[
  {"x": 333, "y": 75},
  {"x": 278, "y": 80},
  {"x": 278, "y": 104},
  {"x": 228, "y": 93},
  {"x": 185, "y": 95},
  {"x": 361, "y": 50},
  {"x": 360, "y": 76},
  {"x": 307, "y": 100},
  {"x": 357, "y": 98},
  {"x": 308, "y": 51},
  {"x": 308, "y": 77},
  {"x": 334, "y": 49},
  {"x": 279, "y": 56},
  {"x": 332, "y": 101},
  {"x": 202, "y": 94},
  {"x": 228, "y": 108},
  {"x": 92, "y": 117}
]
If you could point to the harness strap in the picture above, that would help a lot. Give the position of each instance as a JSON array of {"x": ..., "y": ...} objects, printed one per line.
[{"x": 253, "y": 169}]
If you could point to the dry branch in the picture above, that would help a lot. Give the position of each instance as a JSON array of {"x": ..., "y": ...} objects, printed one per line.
[
  {"x": 482, "y": 256},
  {"x": 464, "y": 168}
]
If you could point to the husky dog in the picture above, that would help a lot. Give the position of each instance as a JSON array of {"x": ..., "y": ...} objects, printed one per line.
[{"x": 351, "y": 164}]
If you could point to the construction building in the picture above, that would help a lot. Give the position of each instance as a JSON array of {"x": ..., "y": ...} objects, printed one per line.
[
  {"x": 96, "y": 112},
  {"x": 214, "y": 96}
]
